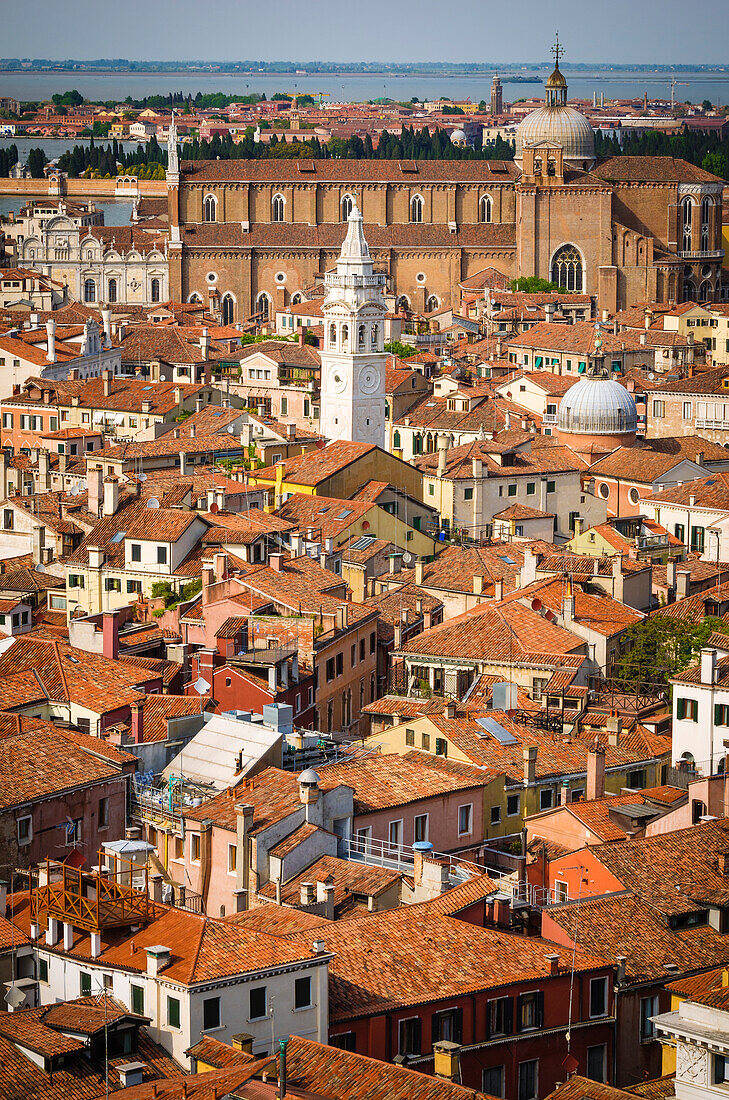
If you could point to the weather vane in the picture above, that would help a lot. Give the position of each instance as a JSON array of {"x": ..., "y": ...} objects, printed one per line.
[{"x": 557, "y": 50}]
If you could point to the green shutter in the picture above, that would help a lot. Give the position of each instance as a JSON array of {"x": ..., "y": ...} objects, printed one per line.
[
  {"x": 718, "y": 708},
  {"x": 538, "y": 362},
  {"x": 680, "y": 708}
]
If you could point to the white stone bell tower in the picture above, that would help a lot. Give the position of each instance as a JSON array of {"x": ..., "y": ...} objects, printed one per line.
[{"x": 353, "y": 359}]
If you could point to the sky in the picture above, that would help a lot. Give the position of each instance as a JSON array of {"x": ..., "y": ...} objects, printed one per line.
[{"x": 622, "y": 31}]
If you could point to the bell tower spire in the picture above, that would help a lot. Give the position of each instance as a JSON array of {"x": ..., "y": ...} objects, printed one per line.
[
  {"x": 173, "y": 160},
  {"x": 353, "y": 359}
]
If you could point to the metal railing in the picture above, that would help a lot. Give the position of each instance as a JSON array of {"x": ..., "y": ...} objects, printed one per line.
[{"x": 261, "y": 656}]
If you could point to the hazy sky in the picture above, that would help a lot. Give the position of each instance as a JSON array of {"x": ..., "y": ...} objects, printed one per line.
[{"x": 378, "y": 30}]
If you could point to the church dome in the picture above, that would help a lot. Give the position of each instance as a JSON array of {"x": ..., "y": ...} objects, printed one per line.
[
  {"x": 597, "y": 405},
  {"x": 458, "y": 137},
  {"x": 562, "y": 125}
]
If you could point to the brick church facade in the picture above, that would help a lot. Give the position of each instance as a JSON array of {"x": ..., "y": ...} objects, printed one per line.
[{"x": 253, "y": 236}]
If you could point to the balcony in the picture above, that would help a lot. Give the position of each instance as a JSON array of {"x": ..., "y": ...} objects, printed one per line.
[
  {"x": 266, "y": 656},
  {"x": 88, "y": 900},
  {"x": 712, "y": 425},
  {"x": 709, "y": 254},
  {"x": 550, "y": 418}
]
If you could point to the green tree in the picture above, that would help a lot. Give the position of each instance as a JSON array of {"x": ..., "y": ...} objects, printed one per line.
[
  {"x": 661, "y": 646},
  {"x": 36, "y": 163},
  {"x": 532, "y": 284},
  {"x": 707, "y": 105},
  {"x": 402, "y": 351}
]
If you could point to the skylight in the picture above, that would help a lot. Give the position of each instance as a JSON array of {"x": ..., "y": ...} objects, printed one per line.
[
  {"x": 344, "y": 513},
  {"x": 496, "y": 730},
  {"x": 506, "y": 558},
  {"x": 118, "y": 536},
  {"x": 363, "y": 542}
]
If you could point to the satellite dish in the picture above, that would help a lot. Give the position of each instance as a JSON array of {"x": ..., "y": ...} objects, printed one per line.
[
  {"x": 142, "y": 477},
  {"x": 40, "y": 567},
  {"x": 550, "y": 616},
  {"x": 230, "y": 429},
  {"x": 73, "y": 491},
  {"x": 407, "y": 558},
  {"x": 651, "y": 375},
  {"x": 214, "y": 508},
  {"x": 536, "y": 605},
  {"x": 201, "y": 685},
  {"x": 153, "y": 502},
  {"x": 15, "y": 997}
]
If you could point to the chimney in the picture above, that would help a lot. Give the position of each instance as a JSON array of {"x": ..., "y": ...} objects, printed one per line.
[
  {"x": 683, "y": 583},
  {"x": 395, "y": 563},
  {"x": 158, "y": 958},
  {"x": 553, "y": 961},
  {"x": 671, "y": 574},
  {"x": 183, "y": 463},
  {"x": 708, "y": 665},
  {"x": 615, "y": 729},
  {"x": 621, "y": 961},
  {"x": 111, "y": 495},
  {"x": 442, "y": 454},
  {"x": 564, "y": 792},
  {"x": 499, "y": 588},
  {"x": 419, "y": 569},
  {"x": 477, "y": 584},
  {"x": 648, "y": 319},
  {"x": 95, "y": 482},
  {"x": 530, "y": 765},
  {"x": 107, "y": 382},
  {"x": 275, "y": 561},
  {"x": 568, "y": 603},
  {"x": 549, "y": 312},
  {"x": 642, "y": 340},
  {"x": 137, "y": 732},
  {"x": 39, "y": 542},
  {"x": 106, "y": 318},
  {"x": 595, "y": 772},
  {"x": 110, "y": 635},
  {"x": 477, "y": 468},
  {"x": 44, "y": 471},
  {"x": 205, "y": 343},
  {"x": 307, "y": 893},
  {"x": 51, "y": 340},
  {"x": 282, "y": 1077}
]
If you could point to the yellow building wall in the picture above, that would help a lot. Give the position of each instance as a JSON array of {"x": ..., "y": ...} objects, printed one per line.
[{"x": 591, "y": 547}]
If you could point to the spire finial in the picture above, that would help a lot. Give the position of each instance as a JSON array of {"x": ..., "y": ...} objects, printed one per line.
[{"x": 557, "y": 50}]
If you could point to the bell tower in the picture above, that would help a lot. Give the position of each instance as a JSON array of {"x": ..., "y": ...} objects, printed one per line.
[{"x": 353, "y": 359}]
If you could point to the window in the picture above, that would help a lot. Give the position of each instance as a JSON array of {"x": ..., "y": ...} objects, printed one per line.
[
  {"x": 395, "y": 833},
  {"x": 372, "y": 642},
  {"x": 173, "y": 1012},
  {"x": 511, "y": 491},
  {"x": 531, "y": 488},
  {"x": 135, "y": 551},
  {"x": 687, "y": 709},
  {"x": 659, "y": 409},
  {"x": 330, "y": 669},
  {"x": 598, "y": 997},
  {"x": 468, "y": 494},
  {"x": 546, "y": 798},
  {"x": 112, "y": 584},
  {"x": 721, "y": 714},
  {"x": 8, "y": 517},
  {"x": 697, "y": 539},
  {"x": 210, "y": 206},
  {"x": 441, "y": 746},
  {"x": 232, "y": 859},
  {"x": 421, "y": 827},
  {"x": 134, "y": 587},
  {"x": 561, "y": 891},
  {"x": 409, "y": 1036},
  {"x": 278, "y": 208},
  {"x": 567, "y": 268},
  {"x": 528, "y": 1080},
  {"x": 361, "y": 649},
  {"x": 161, "y": 555},
  {"x": 465, "y": 816},
  {"x": 551, "y": 486},
  {"x": 42, "y": 970},
  {"x": 154, "y": 290},
  {"x": 195, "y": 847},
  {"x": 512, "y": 805},
  {"x": 648, "y": 1008},
  {"x": 340, "y": 664},
  {"x": 211, "y": 1013},
  {"x": 347, "y": 205},
  {"x": 103, "y": 813},
  {"x": 302, "y": 993},
  {"x": 720, "y": 1065},
  {"x": 448, "y": 1026},
  {"x": 492, "y": 1081},
  {"x": 485, "y": 208},
  {"x": 679, "y": 531},
  {"x": 111, "y": 292},
  {"x": 25, "y": 829},
  {"x": 596, "y": 1059},
  {"x": 529, "y": 1010},
  {"x": 686, "y": 410},
  {"x": 85, "y": 986},
  {"x": 416, "y": 208},
  {"x": 89, "y": 290},
  {"x": 499, "y": 1017},
  {"x": 636, "y": 779},
  {"x": 137, "y": 992},
  {"x": 257, "y": 1003},
  {"x": 346, "y": 1040},
  {"x": 687, "y": 211},
  {"x": 425, "y": 741},
  {"x": 284, "y": 406},
  {"x": 495, "y": 815}
]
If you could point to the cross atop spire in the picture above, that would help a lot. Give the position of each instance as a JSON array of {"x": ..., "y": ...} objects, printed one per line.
[{"x": 557, "y": 49}]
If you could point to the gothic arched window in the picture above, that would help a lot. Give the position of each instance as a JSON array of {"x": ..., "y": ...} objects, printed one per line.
[
  {"x": 227, "y": 309},
  {"x": 432, "y": 304},
  {"x": 262, "y": 306},
  {"x": 210, "y": 208},
  {"x": 416, "y": 208},
  {"x": 567, "y": 268},
  {"x": 485, "y": 207},
  {"x": 706, "y": 205},
  {"x": 687, "y": 208},
  {"x": 402, "y": 305},
  {"x": 537, "y": 166},
  {"x": 705, "y": 291},
  {"x": 154, "y": 290},
  {"x": 111, "y": 291},
  {"x": 347, "y": 204},
  {"x": 278, "y": 207}
]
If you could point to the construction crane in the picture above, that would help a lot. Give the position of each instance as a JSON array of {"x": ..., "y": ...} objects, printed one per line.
[
  {"x": 324, "y": 95},
  {"x": 674, "y": 83}
]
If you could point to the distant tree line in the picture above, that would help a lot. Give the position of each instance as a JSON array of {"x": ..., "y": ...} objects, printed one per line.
[
  {"x": 707, "y": 150},
  {"x": 8, "y": 158}
]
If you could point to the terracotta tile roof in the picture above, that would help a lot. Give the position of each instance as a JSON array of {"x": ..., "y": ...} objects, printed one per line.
[
  {"x": 278, "y": 920},
  {"x": 361, "y": 557},
  {"x": 330, "y": 235},
  {"x": 487, "y": 414},
  {"x": 646, "y": 462},
  {"x": 382, "y": 782},
  {"x": 652, "y": 169},
  {"x": 168, "y": 344},
  {"x": 593, "y": 610},
  {"x": 273, "y": 793},
  {"x": 291, "y": 842},
  {"x": 283, "y": 352},
  {"x": 329, "y": 515},
  {"x": 316, "y": 466},
  {"x": 660, "y": 1088},
  {"x": 710, "y": 989},
  {"x": 527, "y": 462},
  {"x": 522, "y": 511},
  {"x": 394, "y": 959},
  {"x": 216, "y": 1053},
  {"x": 454, "y": 569},
  {"x": 158, "y": 709},
  {"x": 491, "y": 632},
  {"x": 348, "y": 878},
  {"x": 134, "y": 520},
  {"x": 402, "y": 706},
  {"x": 693, "y": 608},
  {"x": 708, "y": 382},
  {"x": 578, "y": 338},
  {"x": 705, "y": 492},
  {"x": 167, "y": 669},
  {"x": 347, "y": 171},
  {"x": 584, "y": 1088}
]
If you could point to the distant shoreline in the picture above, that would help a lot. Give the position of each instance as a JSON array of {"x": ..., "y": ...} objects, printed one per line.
[{"x": 513, "y": 71}]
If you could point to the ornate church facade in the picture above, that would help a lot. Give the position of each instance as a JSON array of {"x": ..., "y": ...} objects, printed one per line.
[{"x": 250, "y": 237}]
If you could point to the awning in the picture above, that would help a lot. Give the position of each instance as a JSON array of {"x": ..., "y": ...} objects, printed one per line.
[{"x": 538, "y": 362}]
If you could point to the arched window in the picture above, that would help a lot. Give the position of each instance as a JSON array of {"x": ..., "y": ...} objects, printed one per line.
[
  {"x": 296, "y": 299},
  {"x": 687, "y": 214},
  {"x": 111, "y": 292},
  {"x": 416, "y": 208},
  {"x": 567, "y": 268},
  {"x": 262, "y": 306},
  {"x": 485, "y": 207},
  {"x": 89, "y": 290},
  {"x": 432, "y": 304},
  {"x": 227, "y": 309},
  {"x": 345, "y": 337},
  {"x": 195, "y": 298},
  {"x": 537, "y": 166},
  {"x": 375, "y": 337},
  {"x": 210, "y": 208},
  {"x": 705, "y": 291},
  {"x": 396, "y": 441},
  {"x": 361, "y": 330},
  {"x": 278, "y": 207},
  {"x": 347, "y": 204},
  {"x": 551, "y": 167},
  {"x": 402, "y": 305},
  {"x": 689, "y": 291},
  {"x": 706, "y": 205},
  {"x": 332, "y": 335},
  {"x": 154, "y": 290}
]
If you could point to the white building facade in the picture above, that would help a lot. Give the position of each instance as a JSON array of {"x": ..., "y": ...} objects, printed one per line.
[
  {"x": 353, "y": 359},
  {"x": 701, "y": 714}
]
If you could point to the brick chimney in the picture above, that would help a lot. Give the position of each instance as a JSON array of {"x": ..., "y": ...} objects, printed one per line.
[
  {"x": 530, "y": 765},
  {"x": 110, "y": 635},
  {"x": 595, "y": 772}
]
